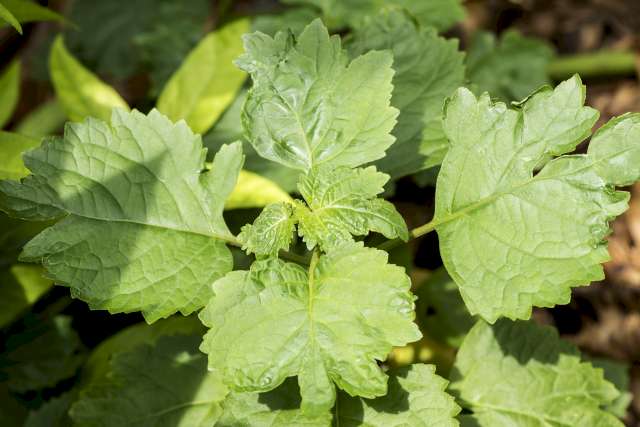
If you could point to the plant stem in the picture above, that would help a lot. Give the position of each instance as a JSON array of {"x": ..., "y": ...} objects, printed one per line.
[
  {"x": 289, "y": 256},
  {"x": 413, "y": 234},
  {"x": 594, "y": 64},
  {"x": 298, "y": 259}
]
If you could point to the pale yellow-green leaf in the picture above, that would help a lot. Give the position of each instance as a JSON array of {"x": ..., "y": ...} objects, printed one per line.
[
  {"x": 44, "y": 120},
  {"x": 207, "y": 82},
  {"x": 12, "y": 145},
  {"x": 9, "y": 91},
  {"x": 9, "y": 18},
  {"x": 254, "y": 191},
  {"x": 81, "y": 93},
  {"x": 20, "y": 286},
  {"x": 30, "y": 11}
]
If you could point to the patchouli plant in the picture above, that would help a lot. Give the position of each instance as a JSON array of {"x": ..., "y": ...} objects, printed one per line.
[{"x": 300, "y": 307}]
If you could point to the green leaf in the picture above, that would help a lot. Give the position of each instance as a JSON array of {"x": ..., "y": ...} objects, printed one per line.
[
  {"x": 614, "y": 150},
  {"x": 12, "y": 145},
  {"x": 138, "y": 186},
  {"x": 519, "y": 373},
  {"x": 97, "y": 366},
  {"x": 42, "y": 356},
  {"x": 44, "y": 120},
  {"x": 254, "y": 191},
  {"x": 618, "y": 374},
  {"x": 309, "y": 105},
  {"x": 326, "y": 327},
  {"x": 428, "y": 69},
  {"x": 441, "y": 311},
  {"x": 53, "y": 413},
  {"x": 20, "y": 286},
  {"x": 278, "y": 408},
  {"x": 342, "y": 202},
  {"x": 512, "y": 239},
  {"x": 81, "y": 93},
  {"x": 176, "y": 28},
  {"x": 12, "y": 413},
  {"x": 14, "y": 233},
  {"x": 30, "y": 11},
  {"x": 142, "y": 36},
  {"x": 229, "y": 128},
  {"x": 166, "y": 384},
  {"x": 207, "y": 82},
  {"x": 416, "y": 398},
  {"x": 9, "y": 91},
  {"x": 441, "y": 14},
  {"x": 510, "y": 69},
  {"x": 9, "y": 18},
  {"x": 294, "y": 19},
  {"x": 271, "y": 232}
]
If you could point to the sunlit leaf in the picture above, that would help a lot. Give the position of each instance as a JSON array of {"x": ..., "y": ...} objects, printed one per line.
[
  {"x": 512, "y": 237},
  {"x": 207, "y": 82},
  {"x": 328, "y": 326},
  {"x": 135, "y": 184},
  {"x": 519, "y": 373},
  {"x": 81, "y": 93}
]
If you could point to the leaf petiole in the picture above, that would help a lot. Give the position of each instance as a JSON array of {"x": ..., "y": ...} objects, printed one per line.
[{"x": 413, "y": 234}]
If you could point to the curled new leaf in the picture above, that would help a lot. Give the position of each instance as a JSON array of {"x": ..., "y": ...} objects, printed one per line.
[
  {"x": 328, "y": 326},
  {"x": 342, "y": 202},
  {"x": 512, "y": 239},
  {"x": 143, "y": 227},
  {"x": 309, "y": 105},
  {"x": 270, "y": 232}
]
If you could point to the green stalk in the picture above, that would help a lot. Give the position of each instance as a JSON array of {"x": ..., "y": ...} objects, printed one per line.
[
  {"x": 602, "y": 63},
  {"x": 413, "y": 234},
  {"x": 286, "y": 255}
]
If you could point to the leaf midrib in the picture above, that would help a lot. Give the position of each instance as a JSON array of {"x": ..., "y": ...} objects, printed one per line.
[
  {"x": 489, "y": 199},
  {"x": 226, "y": 238}
]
